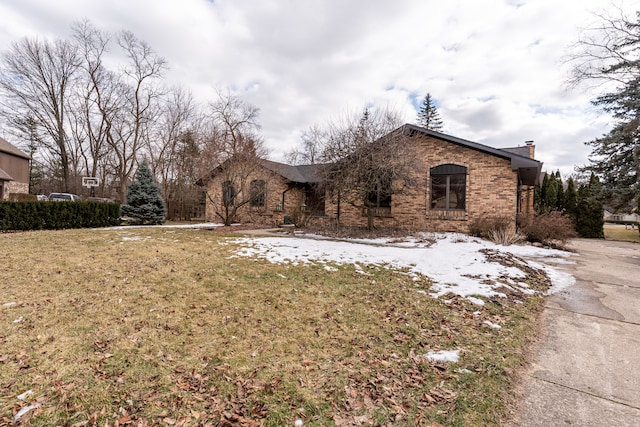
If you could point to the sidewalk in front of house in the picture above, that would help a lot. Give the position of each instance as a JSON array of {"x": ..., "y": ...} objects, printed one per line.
[{"x": 586, "y": 370}]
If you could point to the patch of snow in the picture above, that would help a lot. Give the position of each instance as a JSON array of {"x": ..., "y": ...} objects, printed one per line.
[
  {"x": 298, "y": 423},
  {"x": 476, "y": 301},
  {"x": 555, "y": 260},
  {"x": 443, "y": 356},
  {"x": 329, "y": 268},
  {"x": 21, "y": 413},
  {"x": 19, "y": 319},
  {"x": 454, "y": 263},
  {"x": 9, "y": 304},
  {"x": 464, "y": 371},
  {"x": 492, "y": 325},
  {"x": 24, "y": 395}
]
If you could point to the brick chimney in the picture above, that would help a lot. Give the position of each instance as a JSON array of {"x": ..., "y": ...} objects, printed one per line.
[{"x": 532, "y": 149}]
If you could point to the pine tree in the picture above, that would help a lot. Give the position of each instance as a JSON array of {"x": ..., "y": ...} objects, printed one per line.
[
  {"x": 551, "y": 194},
  {"x": 589, "y": 210},
  {"x": 144, "y": 202},
  {"x": 560, "y": 193},
  {"x": 428, "y": 116},
  {"x": 571, "y": 199},
  {"x": 608, "y": 52}
]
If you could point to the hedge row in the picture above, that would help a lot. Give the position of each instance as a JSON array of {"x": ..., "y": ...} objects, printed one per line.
[{"x": 57, "y": 215}]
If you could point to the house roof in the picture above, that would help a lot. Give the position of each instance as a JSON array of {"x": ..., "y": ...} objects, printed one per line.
[
  {"x": 7, "y": 147},
  {"x": 521, "y": 151},
  {"x": 528, "y": 168},
  {"x": 302, "y": 174},
  {"x": 305, "y": 174}
]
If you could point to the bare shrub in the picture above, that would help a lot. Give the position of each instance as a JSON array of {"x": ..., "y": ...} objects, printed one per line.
[
  {"x": 482, "y": 227},
  {"x": 547, "y": 228},
  {"x": 506, "y": 236}
]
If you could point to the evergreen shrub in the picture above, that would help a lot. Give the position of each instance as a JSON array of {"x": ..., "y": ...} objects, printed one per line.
[
  {"x": 57, "y": 215},
  {"x": 144, "y": 202}
]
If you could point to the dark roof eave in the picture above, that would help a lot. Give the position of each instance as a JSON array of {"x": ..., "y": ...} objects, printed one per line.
[
  {"x": 8, "y": 148},
  {"x": 524, "y": 165}
]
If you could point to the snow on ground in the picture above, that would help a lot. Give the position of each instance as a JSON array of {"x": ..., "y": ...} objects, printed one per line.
[
  {"x": 454, "y": 262},
  {"x": 443, "y": 356}
]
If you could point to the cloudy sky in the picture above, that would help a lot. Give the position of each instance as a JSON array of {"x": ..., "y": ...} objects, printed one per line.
[{"x": 495, "y": 67}]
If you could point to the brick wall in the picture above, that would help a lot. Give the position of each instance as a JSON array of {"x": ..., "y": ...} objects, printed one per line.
[
  {"x": 491, "y": 191},
  {"x": 274, "y": 210},
  {"x": 14, "y": 187}
]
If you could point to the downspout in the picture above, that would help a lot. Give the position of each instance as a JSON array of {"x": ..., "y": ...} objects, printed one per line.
[{"x": 283, "y": 193}]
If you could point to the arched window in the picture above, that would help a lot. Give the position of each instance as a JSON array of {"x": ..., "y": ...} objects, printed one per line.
[
  {"x": 380, "y": 197},
  {"x": 228, "y": 193},
  {"x": 448, "y": 187},
  {"x": 257, "y": 192}
]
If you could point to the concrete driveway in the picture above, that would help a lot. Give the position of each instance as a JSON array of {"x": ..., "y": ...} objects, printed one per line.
[{"x": 586, "y": 368}]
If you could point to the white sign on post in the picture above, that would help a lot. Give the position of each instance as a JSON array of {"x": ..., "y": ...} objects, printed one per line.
[{"x": 90, "y": 181}]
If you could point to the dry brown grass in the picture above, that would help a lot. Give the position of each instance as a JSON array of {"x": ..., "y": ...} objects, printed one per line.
[
  {"x": 621, "y": 232},
  {"x": 161, "y": 327}
]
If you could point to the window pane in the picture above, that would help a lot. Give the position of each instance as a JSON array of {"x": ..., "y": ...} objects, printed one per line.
[
  {"x": 457, "y": 191},
  {"x": 228, "y": 193},
  {"x": 381, "y": 196},
  {"x": 439, "y": 192},
  {"x": 257, "y": 192},
  {"x": 448, "y": 190}
]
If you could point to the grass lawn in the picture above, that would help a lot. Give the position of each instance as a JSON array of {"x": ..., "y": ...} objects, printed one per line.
[
  {"x": 162, "y": 327},
  {"x": 620, "y": 232}
]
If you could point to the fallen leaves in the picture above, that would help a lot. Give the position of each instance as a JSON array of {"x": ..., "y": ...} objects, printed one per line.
[{"x": 138, "y": 345}]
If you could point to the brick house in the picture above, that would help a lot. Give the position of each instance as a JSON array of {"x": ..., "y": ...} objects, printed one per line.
[
  {"x": 458, "y": 181},
  {"x": 14, "y": 170}
]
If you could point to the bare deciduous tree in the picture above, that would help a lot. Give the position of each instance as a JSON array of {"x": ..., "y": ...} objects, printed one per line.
[
  {"x": 607, "y": 54},
  {"x": 239, "y": 147},
  {"x": 36, "y": 82},
  {"x": 174, "y": 151},
  {"x": 136, "y": 94},
  {"x": 310, "y": 148},
  {"x": 94, "y": 100},
  {"x": 368, "y": 161}
]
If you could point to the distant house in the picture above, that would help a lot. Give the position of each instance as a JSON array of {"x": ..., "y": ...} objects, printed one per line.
[
  {"x": 458, "y": 181},
  {"x": 611, "y": 215},
  {"x": 14, "y": 170}
]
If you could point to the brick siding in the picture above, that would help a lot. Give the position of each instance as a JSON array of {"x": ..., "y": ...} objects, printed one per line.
[{"x": 491, "y": 191}]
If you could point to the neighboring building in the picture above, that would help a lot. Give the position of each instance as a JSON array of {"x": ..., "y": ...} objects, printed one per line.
[
  {"x": 14, "y": 170},
  {"x": 610, "y": 215},
  {"x": 458, "y": 181}
]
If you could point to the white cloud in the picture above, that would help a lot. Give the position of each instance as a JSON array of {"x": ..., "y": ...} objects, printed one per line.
[{"x": 494, "y": 66}]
